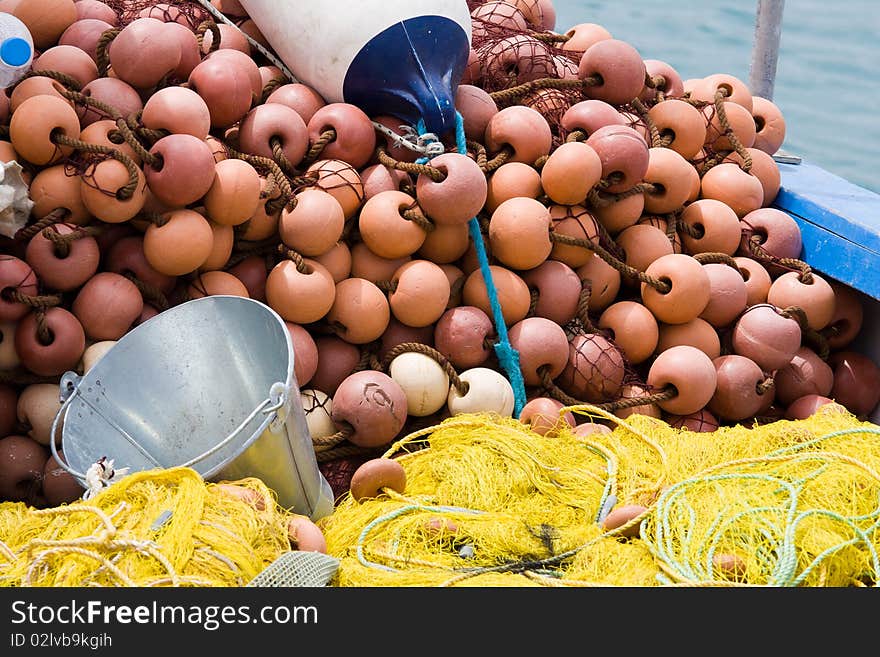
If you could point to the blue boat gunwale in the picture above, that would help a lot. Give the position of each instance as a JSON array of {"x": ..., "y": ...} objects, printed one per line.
[{"x": 839, "y": 222}]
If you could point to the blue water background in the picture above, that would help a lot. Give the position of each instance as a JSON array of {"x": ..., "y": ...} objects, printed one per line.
[{"x": 827, "y": 77}]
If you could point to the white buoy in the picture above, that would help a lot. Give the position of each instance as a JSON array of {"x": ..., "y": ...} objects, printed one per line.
[
  {"x": 488, "y": 392},
  {"x": 94, "y": 352},
  {"x": 317, "y": 407},
  {"x": 397, "y": 58},
  {"x": 16, "y": 49},
  {"x": 424, "y": 383}
]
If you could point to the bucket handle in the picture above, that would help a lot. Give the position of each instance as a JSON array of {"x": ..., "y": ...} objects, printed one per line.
[{"x": 272, "y": 404}]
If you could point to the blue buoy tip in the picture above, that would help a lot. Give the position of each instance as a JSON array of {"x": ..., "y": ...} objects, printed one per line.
[{"x": 15, "y": 51}]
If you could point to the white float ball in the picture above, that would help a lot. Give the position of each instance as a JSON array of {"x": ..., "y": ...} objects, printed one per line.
[
  {"x": 423, "y": 380},
  {"x": 488, "y": 392},
  {"x": 317, "y": 407},
  {"x": 94, "y": 353}
]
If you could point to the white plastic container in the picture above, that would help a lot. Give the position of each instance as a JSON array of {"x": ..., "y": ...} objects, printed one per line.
[
  {"x": 16, "y": 50},
  {"x": 399, "y": 57}
]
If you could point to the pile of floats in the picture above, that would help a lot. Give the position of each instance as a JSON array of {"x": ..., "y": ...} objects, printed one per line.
[{"x": 635, "y": 254}]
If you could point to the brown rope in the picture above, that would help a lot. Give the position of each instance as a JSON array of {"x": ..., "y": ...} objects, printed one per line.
[
  {"x": 212, "y": 27},
  {"x": 757, "y": 251},
  {"x": 455, "y": 291},
  {"x": 44, "y": 333},
  {"x": 710, "y": 162},
  {"x": 549, "y": 37},
  {"x": 287, "y": 198},
  {"x": 329, "y": 442},
  {"x": 602, "y": 199},
  {"x": 642, "y": 111},
  {"x": 513, "y": 94},
  {"x": 307, "y": 180},
  {"x": 368, "y": 355},
  {"x": 415, "y": 215},
  {"x": 818, "y": 342},
  {"x": 762, "y": 387},
  {"x": 720, "y": 95},
  {"x": 67, "y": 80},
  {"x": 576, "y": 135},
  {"x": 388, "y": 287},
  {"x": 667, "y": 136},
  {"x": 608, "y": 241},
  {"x": 127, "y": 190},
  {"x": 102, "y": 58},
  {"x": 417, "y": 347},
  {"x": 716, "y": 259},
  {"x": 38, "y": 301},
  {"x": 479, "y": 154},
  {"x": 257, "y": 247},
  {"x": 87, "y": 101},
  {"x": 152, "y": 159},
  {"x": 806, "y": 272},
  {"x": 655, "y": 82},
  {"x": 502, "y": 158},
  {"x": 133, "y": 121},
  {"x": 554, "y": 390},
  {"x": 271, "y": 86},
  {"x": 318, "y": 147},
  {"x": 279, "y": 156},
  {"x": 433, "y": 173},
  {"x": 62, "y": 243},
  {"x": 796, "y": 313},
  {"x": 346, "y": 451},
  {"x": 697, "y": 232},
  {"x": 57, "y": 216},
  {"x": 619, "y": 265},
  {"x": 664, "y": 394},
  {"x": 301, "y": 265},
  {"x": 151, "y": 294},
  {"x": 534, "y": 295},
  {"x": 671, "y": 220},
  {"x": 813, "y": 338},
  {"x": 583, "y": 307},
  {"x": 155, "y": 218}
]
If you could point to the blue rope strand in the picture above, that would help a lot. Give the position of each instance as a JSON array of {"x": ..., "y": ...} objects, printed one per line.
[{"x": 508, "y": 357}]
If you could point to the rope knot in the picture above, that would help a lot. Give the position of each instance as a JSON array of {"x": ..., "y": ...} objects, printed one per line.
[{"x": 101, "y": 475}]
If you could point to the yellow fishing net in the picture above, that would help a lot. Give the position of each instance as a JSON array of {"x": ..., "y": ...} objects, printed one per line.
[
  {"x": 154, "y": 528},
  {"x": 490, "y": 503}
]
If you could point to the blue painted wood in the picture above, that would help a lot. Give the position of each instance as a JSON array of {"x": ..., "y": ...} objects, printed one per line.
[{"x": 839, "y": 221}]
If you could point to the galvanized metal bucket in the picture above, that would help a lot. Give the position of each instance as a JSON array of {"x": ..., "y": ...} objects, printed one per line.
[{"x": 207, "y": 384}]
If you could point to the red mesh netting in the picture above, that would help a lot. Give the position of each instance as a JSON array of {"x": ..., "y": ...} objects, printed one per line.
[{"x": 190, "y": 14}]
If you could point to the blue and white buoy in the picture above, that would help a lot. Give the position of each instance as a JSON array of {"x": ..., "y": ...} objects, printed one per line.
[
  {"x": 16, "y": 50},
  {"x": 402, "y": 58}
]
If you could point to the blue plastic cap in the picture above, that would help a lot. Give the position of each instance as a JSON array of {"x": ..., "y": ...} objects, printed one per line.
[
  {"x": 15, "y": 51},
  {"x": 411, "y": 70}
]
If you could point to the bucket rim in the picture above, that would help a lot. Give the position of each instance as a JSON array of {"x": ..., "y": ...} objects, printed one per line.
[{"x": 240, "y": 447}]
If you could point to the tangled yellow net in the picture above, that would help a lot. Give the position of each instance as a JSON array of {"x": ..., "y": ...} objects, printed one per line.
[
  {"x": 490, "y": 503},
  {"x": 153, "y": 528}
]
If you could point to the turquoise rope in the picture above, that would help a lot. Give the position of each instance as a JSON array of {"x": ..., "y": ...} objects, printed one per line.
[
  {"x": 784, "y": 572},
  {"x": 508, "y": 357},
  {"x": 420, "y": 127},
  {"x": 388, "y": 517}
]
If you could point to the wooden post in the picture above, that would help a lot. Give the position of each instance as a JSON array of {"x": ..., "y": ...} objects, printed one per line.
[{"x": 765, "y": 52}]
